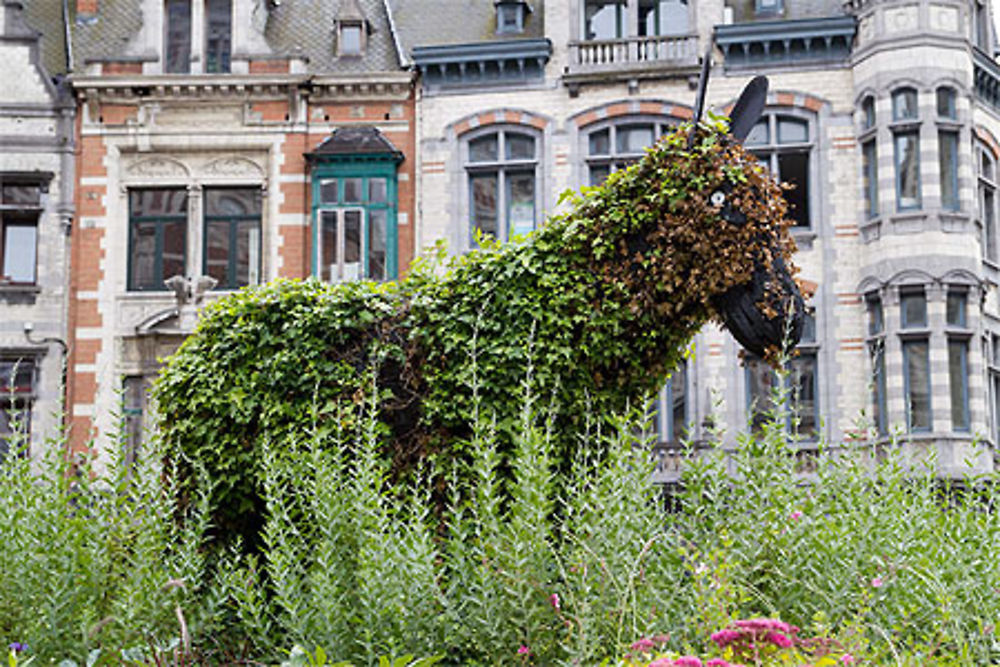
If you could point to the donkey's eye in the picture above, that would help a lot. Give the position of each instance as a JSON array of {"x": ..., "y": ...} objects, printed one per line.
[{"x": 718, "y": 198}]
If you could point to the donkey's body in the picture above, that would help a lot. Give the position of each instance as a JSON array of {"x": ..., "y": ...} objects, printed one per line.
[{"x": 595, "y": 308}]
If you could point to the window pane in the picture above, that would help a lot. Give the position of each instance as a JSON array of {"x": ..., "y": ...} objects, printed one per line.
[
  {"x": 904, "y": 104},
  {"x": 247, "y": 252},
  {"x": 802, "y": 376},
  {"x": 14, "y": 194},
  {"x": 174, "y": 245},
  {"x": 217, "y": 250},
  {"x": 913, "y": 309},
  {"x": 519, "y": 147},
  {"x": 603, "y": 19},
  {"x": 484, "y": 204},
  {"x": 352, "y": 190},
  {"x": 948, "y": 162},
  {"x": 793, "y": 168},
  {"x": 377, "y": 223},
  {"x": 678, "y": 400},
  {"x": 328, "y": 269},
  {"x": 218, "y": 39},
  {"x": 870, "y": 166},
  {"x": 907, "y": 171},
  {"x": 521, "y": 202},
  {"x": 675, "y": 19},
  {"x": 600, "y": 142},
  {"x": 985, "y": 166},
  {"x": 143, "y": 255},
  {"x": 483, "y": 149},
  {"x": 378, "y": 191},
  {"x": 598, "y": 173},
  {"x": 792, "y": 131},
  {"x": 15, "y": 425},
  {"x": 876, "y": 321},
  {"x": 876, "y": 351},
  {"x": 222, "y": 202},
  {"x": 761, "y": 382},
  {"x": 956, "y": 309},
  {"x": 350, "y": 40},
  {"x": 178, "y": 51},
  {"x": 633, "y": 138},
  {"x": 958, "y": 378},
  {"x": 868, "y": 110},
  {"x": 328, "y": 192},
  {"x": 918, "y": 394},
  {"x": 989, "y": 224},
  {"x": 158, "y": 203},
  {"x": 759, "y": 135},
  {"x": 19, "y": 250},
  {"x": 946, "y": 102},
  {"x": 352, "y": 245},
  {"x": 16, "y": 376}
]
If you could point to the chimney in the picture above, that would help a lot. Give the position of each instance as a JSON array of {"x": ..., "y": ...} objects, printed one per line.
[{"x": 86, "y": 7}]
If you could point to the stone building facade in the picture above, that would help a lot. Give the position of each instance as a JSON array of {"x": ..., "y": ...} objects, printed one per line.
[
  {"x": 36, "y": 213},
  {"x": 223, "y": 143},
  {"x": 883, "y": 113}
]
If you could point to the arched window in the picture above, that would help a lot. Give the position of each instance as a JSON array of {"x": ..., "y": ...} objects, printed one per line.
[
  {"x": 617, "y": 144},
  {"x": 906, "y": 148},
  {"x": 502, "y": 169},
  {"x": 987, "y": 196},
  {"x": 784, "y": 144}
]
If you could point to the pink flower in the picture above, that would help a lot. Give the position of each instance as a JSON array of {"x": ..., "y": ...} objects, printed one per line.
[
  {"x": 662, "y": 662},
  {"x": 877, "y": 582},
  {"x": 795, "y": 516},
  {"x": 523, "y": 650},
  {"x": 778, "y": 639},
  {"x": 717, "y": 662},
  {"x": 687, "y": 661},
  {"x": 643, "y": 645},
  {"x": 725, "y": 637},
  {"x": 848, "y": 659},
  {"x": 554, "y": 601}
]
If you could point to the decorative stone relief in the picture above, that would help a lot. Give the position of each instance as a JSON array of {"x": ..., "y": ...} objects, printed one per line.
[
  {"x": 866, "y": 30},
  {"x": 944, "y": 18},
  {"x": 200, "y": 116},
  {"x": 157, "y": 167},
  {"x": 901, "y": 19},
  {"x": 234, "y": 165}
]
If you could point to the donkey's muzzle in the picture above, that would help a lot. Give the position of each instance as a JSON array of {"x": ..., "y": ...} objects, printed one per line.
[{"x": 742, "y": 309}]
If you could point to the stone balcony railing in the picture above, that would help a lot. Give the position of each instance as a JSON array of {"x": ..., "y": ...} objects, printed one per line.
[{"x": 632, "y": 57}]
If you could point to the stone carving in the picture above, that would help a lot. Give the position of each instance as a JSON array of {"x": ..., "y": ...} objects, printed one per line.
[
  {"x": 158, "y": 167},
  {"x": 901, "y": 19},
  {"x": 234, "y": 165}
]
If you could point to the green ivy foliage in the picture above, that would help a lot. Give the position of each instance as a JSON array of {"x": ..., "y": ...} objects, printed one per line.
[{"x": 601, "y": 302}]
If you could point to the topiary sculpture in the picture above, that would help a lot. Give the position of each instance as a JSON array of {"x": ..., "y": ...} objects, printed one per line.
[{"x": 602, "y": 301}]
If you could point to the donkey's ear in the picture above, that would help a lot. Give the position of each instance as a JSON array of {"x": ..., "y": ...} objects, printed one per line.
[{"x": 748, "y": 108}]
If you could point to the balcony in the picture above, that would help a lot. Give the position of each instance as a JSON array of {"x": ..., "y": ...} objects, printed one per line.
[{"x": 631, "y": 58}]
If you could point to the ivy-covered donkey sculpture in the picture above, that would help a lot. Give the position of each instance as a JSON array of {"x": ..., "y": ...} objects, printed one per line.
[{"x": 599, "y": 303}]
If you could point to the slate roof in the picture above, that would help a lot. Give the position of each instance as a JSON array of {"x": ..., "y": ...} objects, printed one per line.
[
  {"x": 304, "y": 28},
  {"x": 355, "y": 141},
  {"x": 45, "y": 17},
  {"x": 441, "y": 22}
]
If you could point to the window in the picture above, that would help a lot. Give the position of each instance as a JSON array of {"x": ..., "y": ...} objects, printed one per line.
[
  {"x": 904, "y": 104},
  {"x": 669, "y": 409},
  {"x": 603, "y": 19},
  {"x": 868, "y": 113},
  {"x": 501, "y": 168},
  {"x": 907, "y": 146},
  {"x": 987, "y": 202},
  {"x": 956, "y": 322},
  {"x": 955, "y": 310},
  {"x": 17, "y": 383},
  {"x": 876, "y": 353},
  {"x": 135, "y": 405},
  {"x": 983, "y": 27},
  {"x": 917, "y": 385},
  {"x": 178, "y": 37},
  {"x": 351, "y": 41},
  {"x": 913, "y": 309},
  {"x": 232, "y": 236},
  {"x": 993, "y": 346},
  {"x": 801, "y": 381},
  {"x": 510, "y": 16},
  {"x": 946, "y": 103},
  {"x": 219, "y": 18},
  {"x": 354, "y": 229},
  {"x": 869, "y": 159},
  {"x": 615, "y": 146},
  {"x": 783, "y": 145},
  {"x": 948, "y": 165},
  {"x": 768, "y": 7},
  {"x": 663, "y": 17},
  {"x": 157, "y": 236},
  {"x": 20, "y": 208}
]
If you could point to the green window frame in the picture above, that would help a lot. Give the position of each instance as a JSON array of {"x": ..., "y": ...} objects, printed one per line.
[
  {"x": 354, "y": 235},
  {"x": 232, "y": 236},
  {"x": 157, "y": 237}
]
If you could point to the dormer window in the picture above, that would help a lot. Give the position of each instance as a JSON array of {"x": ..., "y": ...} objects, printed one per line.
[
  {"x": 180, "y": 50},
  {"x": 177, "y": 57},
  {"x": 352, "y": 29},
  {"x": 510, "y": 16},
  {"x": 219, "y": 28}
]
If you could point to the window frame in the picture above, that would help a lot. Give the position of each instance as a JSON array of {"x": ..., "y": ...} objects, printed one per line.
[
  {"x": 21, "y": 215},
  {"x": 232, "y": 234},
  {"x": 504, "y": 170},
  {"x": 180, "y": 63},
  {"x": 218, "y": 60},
  {"x": 13, "y": 400},
  {"x": 160, "y": 221},
  {"x": 769, "y": 152},
  {"x": 875, "y": 312},
  {"x": 907, "y": 345},
  {"x": 615, "y": 159},
  {"x": 986, "y": 199}
]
